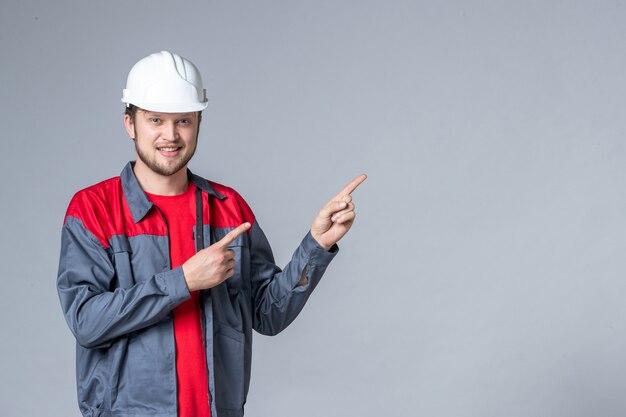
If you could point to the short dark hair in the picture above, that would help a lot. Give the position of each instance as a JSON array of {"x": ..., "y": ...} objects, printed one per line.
[{"x": 131, "y": 110}]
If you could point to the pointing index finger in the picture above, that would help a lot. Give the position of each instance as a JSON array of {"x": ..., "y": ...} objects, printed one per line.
[
  {"x": 233, "y": 234},
  {"x": 348, "y": 189}
]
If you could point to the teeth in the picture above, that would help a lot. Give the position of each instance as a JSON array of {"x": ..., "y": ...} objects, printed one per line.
[{"x": 169, "y": 149}]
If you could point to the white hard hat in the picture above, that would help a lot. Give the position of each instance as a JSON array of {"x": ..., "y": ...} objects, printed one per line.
[{"x": 165, "y": 82}]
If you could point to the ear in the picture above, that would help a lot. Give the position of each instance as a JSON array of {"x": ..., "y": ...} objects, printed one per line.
[{"x": 129, "y": 126}]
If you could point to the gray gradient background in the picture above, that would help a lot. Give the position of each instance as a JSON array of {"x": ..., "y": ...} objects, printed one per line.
[{"x": 485, "y": 274}]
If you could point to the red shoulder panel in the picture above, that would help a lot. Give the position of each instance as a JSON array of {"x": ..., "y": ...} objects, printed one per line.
[
  {"x": 104, "y": 212},
  {"x": 229, "y": 212}
]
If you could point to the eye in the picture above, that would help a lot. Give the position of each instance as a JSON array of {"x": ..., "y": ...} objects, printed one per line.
[
  {"x": 184, "y": 121},
  {"x": 155, "y": 120}
]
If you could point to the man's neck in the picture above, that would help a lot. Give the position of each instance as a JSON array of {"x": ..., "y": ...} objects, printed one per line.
[{"x": 158, "y": 184}]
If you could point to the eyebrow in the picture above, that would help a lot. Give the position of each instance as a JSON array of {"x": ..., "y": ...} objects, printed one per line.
[{"x": 153, "y": 113}]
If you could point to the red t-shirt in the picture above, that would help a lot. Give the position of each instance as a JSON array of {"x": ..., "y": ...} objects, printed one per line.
[{"x": 191, "y": 369}]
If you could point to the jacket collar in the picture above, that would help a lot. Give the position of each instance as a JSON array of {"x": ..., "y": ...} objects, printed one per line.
[{"x": 139, "y": 203}]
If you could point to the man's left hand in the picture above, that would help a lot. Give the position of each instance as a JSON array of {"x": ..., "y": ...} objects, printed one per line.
[{"x": 335, "y": 219}]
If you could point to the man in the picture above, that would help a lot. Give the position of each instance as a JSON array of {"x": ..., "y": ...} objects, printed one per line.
[{"x": 163, "y": 274}]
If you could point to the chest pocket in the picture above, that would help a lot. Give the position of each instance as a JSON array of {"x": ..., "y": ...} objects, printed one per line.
[
  {"x": 235, "y": 283},
  {"x": 238, "y": 282},
  {"x": 122, "y": 262}
]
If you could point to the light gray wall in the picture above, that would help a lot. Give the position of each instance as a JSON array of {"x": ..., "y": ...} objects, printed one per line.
[{"x": 485, "y": 274}]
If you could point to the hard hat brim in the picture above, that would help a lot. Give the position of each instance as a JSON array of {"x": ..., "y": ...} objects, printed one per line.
[{"x": 170, "y": 107}]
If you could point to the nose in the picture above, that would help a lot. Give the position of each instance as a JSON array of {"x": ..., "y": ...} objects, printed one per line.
[{"x": 170, "y": 131}]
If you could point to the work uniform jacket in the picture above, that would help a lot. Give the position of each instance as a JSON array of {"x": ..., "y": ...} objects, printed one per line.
[{"x": 117, "y": 291}]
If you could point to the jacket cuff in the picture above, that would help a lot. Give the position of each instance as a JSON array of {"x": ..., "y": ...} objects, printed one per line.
[
  {"x": 174, "y": 285},
  {"x": 318, "y": 255}
]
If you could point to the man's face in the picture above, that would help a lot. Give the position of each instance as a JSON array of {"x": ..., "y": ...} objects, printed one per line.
[{"x": 165, "y": 142}]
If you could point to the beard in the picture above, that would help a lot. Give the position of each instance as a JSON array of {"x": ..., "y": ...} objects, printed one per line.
[{"x": 164, "y": 169}]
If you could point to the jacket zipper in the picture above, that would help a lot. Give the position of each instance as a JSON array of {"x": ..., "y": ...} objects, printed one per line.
[
  {"x": 199, "y": 238},
  {"x": 203, "y": 324},
  {"x": 169, "y": 262}
]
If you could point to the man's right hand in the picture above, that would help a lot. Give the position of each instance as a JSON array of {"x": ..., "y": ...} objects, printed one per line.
[{"x": 213, "y": 265}]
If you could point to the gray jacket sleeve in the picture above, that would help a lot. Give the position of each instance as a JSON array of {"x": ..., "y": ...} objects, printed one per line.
[
  {"x": 96, "y": 308},
  {"x": 276, "y": 296}
]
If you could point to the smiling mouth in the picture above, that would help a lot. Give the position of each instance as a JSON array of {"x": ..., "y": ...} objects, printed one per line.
[{"x": 169, "y": 151}]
